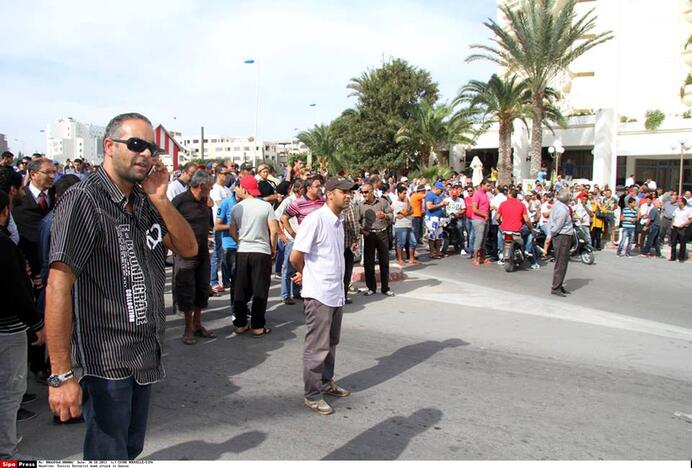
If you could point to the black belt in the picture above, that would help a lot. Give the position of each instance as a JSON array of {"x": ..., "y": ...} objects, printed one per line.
[{"x": 378, "y": 230}]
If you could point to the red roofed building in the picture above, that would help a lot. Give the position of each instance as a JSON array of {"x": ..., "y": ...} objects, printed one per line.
[{"x": 171, "y": 148}]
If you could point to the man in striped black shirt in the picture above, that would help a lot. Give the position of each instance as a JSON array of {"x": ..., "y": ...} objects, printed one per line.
[{"x": 108, "y": 245}]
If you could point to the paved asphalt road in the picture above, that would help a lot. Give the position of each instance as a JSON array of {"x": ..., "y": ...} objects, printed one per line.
[{"x": 464, "y": 363}]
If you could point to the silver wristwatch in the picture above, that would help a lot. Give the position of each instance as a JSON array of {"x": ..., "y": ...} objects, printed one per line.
[{"x": 57, "y": 380}]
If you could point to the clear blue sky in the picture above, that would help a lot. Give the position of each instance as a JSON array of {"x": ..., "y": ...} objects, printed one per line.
[{"x": 92, "y": 60}]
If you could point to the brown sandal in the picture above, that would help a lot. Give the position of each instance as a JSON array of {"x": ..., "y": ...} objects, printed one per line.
[
  {"x": 189, "y": 339},
  {"x": 264, "y": 331},
  {"x": 204, "y": 333}
]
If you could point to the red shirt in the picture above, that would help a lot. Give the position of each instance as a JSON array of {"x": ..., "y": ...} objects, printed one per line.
[
  {"x": 512, "y": 212},
  {"x": 467, "y": 202}
]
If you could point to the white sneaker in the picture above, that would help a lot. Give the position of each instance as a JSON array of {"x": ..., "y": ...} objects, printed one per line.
[
  {"x": 320, "y": 406},
  {"x": 535, "y": 267},
  {"x": 463, "y": 252},
  {"x": 500, "y": 262},
  {"x": 369, "y": 292}
]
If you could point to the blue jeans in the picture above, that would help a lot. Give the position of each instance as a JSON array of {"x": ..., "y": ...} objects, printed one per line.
[
  {"x": 405, "y": 236},
  {"x": 217, "y": 260},
  {"x": 418, "y": 229},
  {"x": 653, "y": 240},
  {"x": 288, "y": 287},
  {"x": 279, "y": 261},
  {"x": 115, "y": 412},
  {"x": 527, "y": 235},
  {"x": 13, "y": 370},
  {"x": 471, "y": 237},
  {"x": 627, "y": 235}
]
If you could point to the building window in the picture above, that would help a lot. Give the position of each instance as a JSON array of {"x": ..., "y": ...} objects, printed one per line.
[
  {"x": 195, "y": 141},
  {"x": 246, "y": 148}
]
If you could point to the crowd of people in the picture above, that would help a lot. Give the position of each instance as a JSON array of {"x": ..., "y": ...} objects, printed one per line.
[{"x": 85, "y": 250}]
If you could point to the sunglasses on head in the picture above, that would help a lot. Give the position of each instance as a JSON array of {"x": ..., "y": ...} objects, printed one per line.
[{"x": 137, "y": 145}]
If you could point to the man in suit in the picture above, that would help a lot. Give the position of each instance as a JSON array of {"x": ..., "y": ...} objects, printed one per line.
[
  {"x": 33, "y": 207},
  {"x": 28, "y": 212}
]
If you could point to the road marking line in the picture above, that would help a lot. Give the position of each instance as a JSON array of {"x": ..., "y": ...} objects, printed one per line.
[{"x": 505, "y": 301}]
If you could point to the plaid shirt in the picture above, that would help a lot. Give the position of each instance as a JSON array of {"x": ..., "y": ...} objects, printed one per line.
[{"x": 351, "y": 226}]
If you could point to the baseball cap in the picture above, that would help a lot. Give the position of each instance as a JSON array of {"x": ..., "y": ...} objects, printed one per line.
[
  {"x": 427, "y": 187},
  {"x": 439, "y": 185},
  {"x": 403, "y": 179},
  {"x": 246, "y": 166},
  {"x": 249, "y": 183},
  {"x": 341, "y": 183}
]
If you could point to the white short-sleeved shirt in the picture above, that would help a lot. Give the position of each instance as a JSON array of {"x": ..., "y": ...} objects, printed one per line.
[
  {"x": 175, "y": 188},
  {"x": 681, "y": 216},
  {"x": 321, "y": 239},
  {"x": 545, "y": 206},
  {"x": 495, "y": 203},
  {"x": 218, "y": 193},
  {"x": 644, "y": 213}
]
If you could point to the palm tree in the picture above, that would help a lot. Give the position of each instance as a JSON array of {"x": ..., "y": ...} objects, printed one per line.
[
  {"x": 321, "y": 142},
  {"x": 538, "y": 43},
  {"x": 503, "y": 101},
  {"x": 431, "y": 127}
]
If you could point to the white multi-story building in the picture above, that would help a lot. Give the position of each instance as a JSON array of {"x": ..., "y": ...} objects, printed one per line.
[
  {"x": 239, "y": 149},
  {"x": 68, "y": 139},
  {"x": 608, "y": 91},
  {"x": 3, "y": 143}
]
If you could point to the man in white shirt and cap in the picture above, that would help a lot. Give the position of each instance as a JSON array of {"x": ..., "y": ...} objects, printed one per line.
[{"x": 318, "y": 256}]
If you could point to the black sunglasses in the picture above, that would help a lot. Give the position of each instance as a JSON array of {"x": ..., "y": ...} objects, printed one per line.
[{"x": 137, "y": 145}]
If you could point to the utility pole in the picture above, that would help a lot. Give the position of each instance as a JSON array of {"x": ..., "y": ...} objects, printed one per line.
[
  {"x": 201, "y": 142},
  {"x": 682, "y": 162}
]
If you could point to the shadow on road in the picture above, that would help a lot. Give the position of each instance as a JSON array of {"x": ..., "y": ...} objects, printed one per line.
[
  {"x": 396, "y": 363},
  {"x": 573, "y": 284},
  {"x": 201, "y": 450},
  {"x": 388, "y": 439}
]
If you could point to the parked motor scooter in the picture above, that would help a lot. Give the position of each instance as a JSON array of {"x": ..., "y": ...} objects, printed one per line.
[{"x": 580, "y": 246}]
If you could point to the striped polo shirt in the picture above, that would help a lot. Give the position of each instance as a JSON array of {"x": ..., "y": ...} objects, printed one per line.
[
  {"x": 301, "y": 207},
  {"x": 117, "y": 258},
  {"x": 629, "y": 213}
]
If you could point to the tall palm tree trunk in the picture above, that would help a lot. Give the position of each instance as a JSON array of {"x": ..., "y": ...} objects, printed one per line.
[
  {"x": 536, "y": 132},
  {"x": 504, "y": 161},
  {"x": 424, "y": 157}
]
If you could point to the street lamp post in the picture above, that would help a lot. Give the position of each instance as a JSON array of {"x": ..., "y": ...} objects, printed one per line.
[
  {"x": 556, "y": 151},
  {"x": 257, "y": 77},
  {"x": 314, "y": 119},
  {"x": 684, "y": 146}
]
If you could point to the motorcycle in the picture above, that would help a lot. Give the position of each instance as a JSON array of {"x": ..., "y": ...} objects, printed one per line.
[
  {"x": 513, "y": 250},
  {"x": 450, "y": 235},
  {"x": 580, "y": 246}
]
